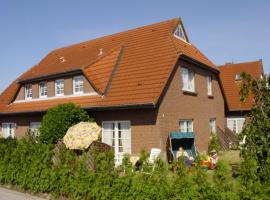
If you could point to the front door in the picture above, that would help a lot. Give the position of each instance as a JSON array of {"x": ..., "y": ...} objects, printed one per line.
[{"x": 118, "y": 135}]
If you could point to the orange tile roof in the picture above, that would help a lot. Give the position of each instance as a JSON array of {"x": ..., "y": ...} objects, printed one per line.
[
  {"x": 232, "y": 87},
  {"x": 133, "y": 66}
]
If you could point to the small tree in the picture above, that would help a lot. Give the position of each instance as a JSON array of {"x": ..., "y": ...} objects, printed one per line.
[
  {"x": 257, "y": 130},
  {"x": 57, "y": 120}
]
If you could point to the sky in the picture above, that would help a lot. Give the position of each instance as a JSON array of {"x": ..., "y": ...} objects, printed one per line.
[{"x": 225, "y": 31}]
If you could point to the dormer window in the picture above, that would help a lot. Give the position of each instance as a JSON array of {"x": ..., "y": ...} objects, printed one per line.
[
  {"x": 78, "y": 85},
  {"x": 179, "y": 33},
  {"x": 28, "y": 91},
  {"x": 43, "y": 90},
  {"x": 238, "y": 77}
]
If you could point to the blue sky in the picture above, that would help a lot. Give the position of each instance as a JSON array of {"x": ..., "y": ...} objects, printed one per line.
[{"x": 225, "y": 31}]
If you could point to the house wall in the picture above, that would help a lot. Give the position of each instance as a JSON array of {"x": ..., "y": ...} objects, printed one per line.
[
  {"x": 22, "y": 122},
  {"x": 150, "y": 127},
  {"x": 144, "y": 130},
  {"x": 177, "y": 105},
  {"x": 51, "y": 88}
]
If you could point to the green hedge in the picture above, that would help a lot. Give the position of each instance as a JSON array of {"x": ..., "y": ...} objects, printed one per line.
[{"x": 29, "y": 165}]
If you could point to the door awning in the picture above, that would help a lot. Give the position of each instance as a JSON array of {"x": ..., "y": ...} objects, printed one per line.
[{"x": 181, "y": 135}]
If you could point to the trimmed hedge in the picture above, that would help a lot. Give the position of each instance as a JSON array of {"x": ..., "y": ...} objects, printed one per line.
[{"x": 29, "y": 165}]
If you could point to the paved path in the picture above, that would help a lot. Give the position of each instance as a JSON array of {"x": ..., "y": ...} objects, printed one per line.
[{"x": 6, "y": 194}]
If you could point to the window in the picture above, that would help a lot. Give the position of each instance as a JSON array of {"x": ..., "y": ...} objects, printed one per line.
[
  {"x": 212, "y": 125},
  {"x": 78, "y": 85},
  {"x": 179, "y": 33},
  {"x": 188, "y": 80},
  {"x": 59, "y": 87},
  {"x": 209, "y": 86},
  {"x": 43, "y": 90},
  {"x": 186, "y": 126},
  {"x": 34, "y": 129},
  {"x": 8, "y": 129},
  {"x": 238, "y": 77},
  {"x": 236, "y": 124},
  {"x": 28, "y": 91},
  {"x": 118, "y": 135}
]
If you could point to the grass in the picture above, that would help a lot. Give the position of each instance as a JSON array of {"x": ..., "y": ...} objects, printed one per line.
[{"x": 232, "y": 157}]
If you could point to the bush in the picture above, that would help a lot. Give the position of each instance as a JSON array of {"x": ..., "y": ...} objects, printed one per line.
[
  {"x": 29, "y": 165},
  {"x": 214, "y": 143},
  {"x": 57, "y": 120}
]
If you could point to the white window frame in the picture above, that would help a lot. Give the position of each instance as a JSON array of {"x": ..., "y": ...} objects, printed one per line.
[
  {"x": 118, "y": 155},
  {"x": 209, "y": 86},
  {"x": 34, "y": 128},
  {"x": 236, "y": 121},
  {"x": 212, "y": 125},
  {"x": 28, "y": 91},
  {"x": 238, "y": 77},
  {"x": 80, "y": 86},
  {"x": 43, "y": 90},
  {"x": 180, "y": 29},
  {"x": 10, "y": 125},
  {"x": 186, "y": 127},
  {"x": 57, "y": 82},
  {"x": 188, "y": 80}
]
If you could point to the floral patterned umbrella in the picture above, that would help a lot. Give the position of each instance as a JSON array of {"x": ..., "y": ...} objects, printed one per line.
[{"x": 81, "y": 135}]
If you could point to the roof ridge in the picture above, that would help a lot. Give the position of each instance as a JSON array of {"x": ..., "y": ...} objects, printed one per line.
[
  {"x": 177, "y": 19},
  {"x": 240, "y": 63}
]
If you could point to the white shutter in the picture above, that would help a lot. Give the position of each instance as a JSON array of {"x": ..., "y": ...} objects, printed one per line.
[
  {"x": 107, "y": 132},
  {"x": 240, "y": 124},
  {"x": 190, "y": 80},
  {"x": 209, "y": 85},
  {"x": 12, "y": 130},
  {"x": 5, "y": 129},
  {"x": 230, "y": 124},
  {"x": 185, "y": 78},
  {"x": 126, "y": 137}
]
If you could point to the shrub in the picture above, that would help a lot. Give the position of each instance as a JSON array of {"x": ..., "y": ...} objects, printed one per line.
[
  {"x": 57, "y": 120},
  {"x": 255, "y": 150},
  {"x": 214, "y": 143}
]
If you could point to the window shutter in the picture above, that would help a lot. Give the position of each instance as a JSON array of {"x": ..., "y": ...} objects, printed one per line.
[
  {"x": 107, "y": 133},
  {"x": 185, "y": 78},
  {"x": 126, "y": 137}
]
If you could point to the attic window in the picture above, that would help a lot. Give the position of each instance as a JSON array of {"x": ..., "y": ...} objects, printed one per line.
[
  {"x": 62, "y": 59},
  {"x": 179, "y": 33},
  {"x": 238, "y": 77}
]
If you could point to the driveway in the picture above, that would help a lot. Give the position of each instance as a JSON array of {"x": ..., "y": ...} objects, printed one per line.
[{"x": 6, "y": 194}]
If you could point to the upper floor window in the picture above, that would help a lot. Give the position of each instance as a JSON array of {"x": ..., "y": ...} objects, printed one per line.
[
  {"x": 209, "y": 86},
  {"x": 238, "y": 77},
  {"x": 186, "y": 125},
  {"x": 179, "y": 33},
  {"x": 78, "y": 85},
  {"x": 43, "y": 90},
  {"x": 28, "y": 91},
  {"x": 212, "y": 125},
  {"x": 188, "y": 80},
  {"x": 59, "y": 87}
]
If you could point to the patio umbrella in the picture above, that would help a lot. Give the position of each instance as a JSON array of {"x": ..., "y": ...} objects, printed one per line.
[{"x": 81, "y": 135}]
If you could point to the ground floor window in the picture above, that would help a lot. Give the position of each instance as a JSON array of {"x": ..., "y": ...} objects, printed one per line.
[
  {"x": 118, "y": 135},
  {"x": 34, "y": 129},
  {"x": 8, "y": 129},
  {"x": 212, "y": 125},
  {"x": 186, "y": 125},
  {"x": 236, "y": 124}
]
